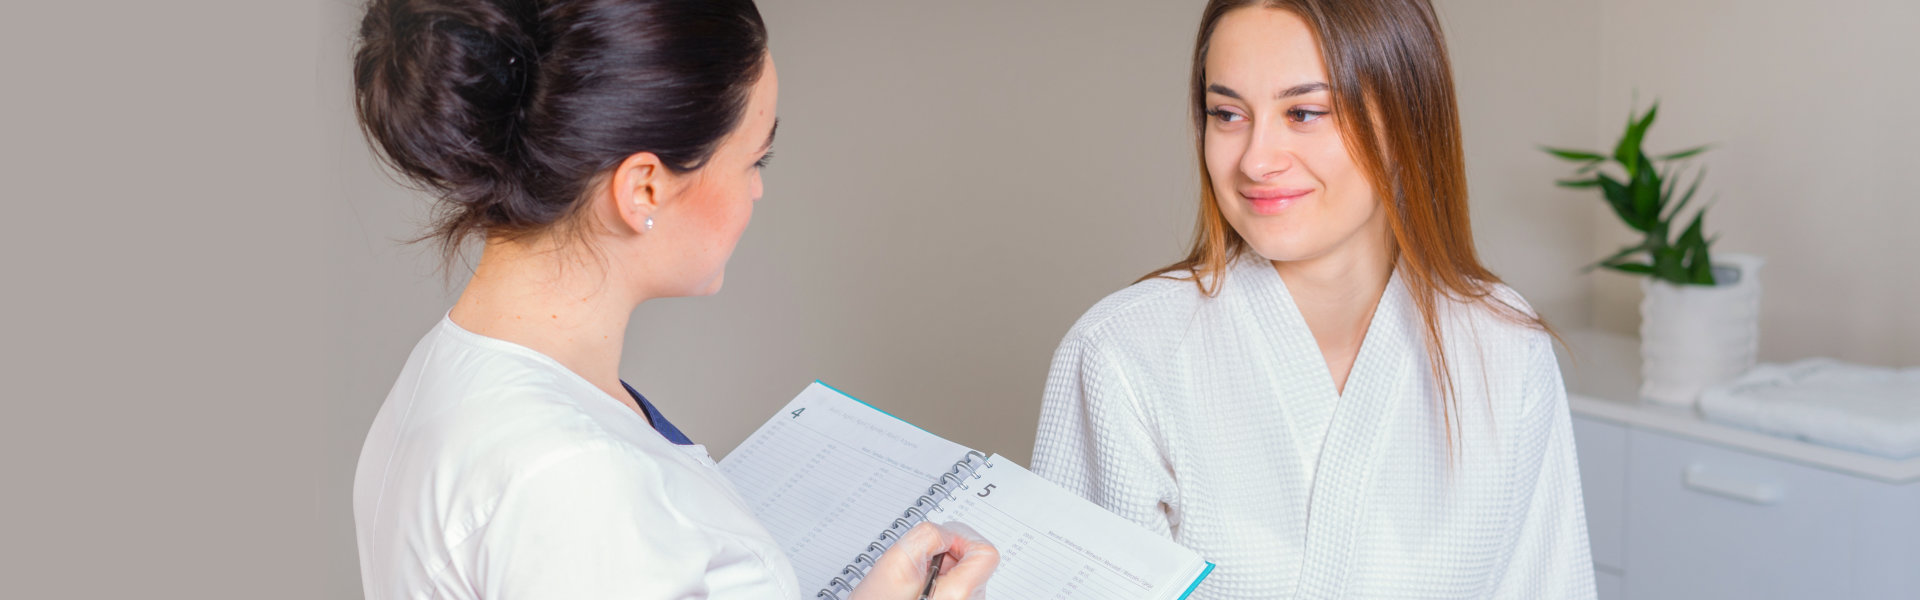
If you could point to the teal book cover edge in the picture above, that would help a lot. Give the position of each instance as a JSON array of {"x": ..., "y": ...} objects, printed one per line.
[
  {"x": 1197, "y": 580},
  {"x": 876, "y": 408}
]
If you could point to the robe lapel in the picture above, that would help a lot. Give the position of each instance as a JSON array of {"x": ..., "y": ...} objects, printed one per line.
[
  {"x": 1299, "y": 377},
  {"x": 1348, "y": 455}
]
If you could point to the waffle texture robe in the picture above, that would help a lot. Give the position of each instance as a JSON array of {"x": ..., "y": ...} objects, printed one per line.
[{"x": 1215, "y": 422}]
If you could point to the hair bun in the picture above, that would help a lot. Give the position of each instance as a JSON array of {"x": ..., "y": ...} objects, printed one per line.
[
  {"x": 509, "y": 110},
  {"x": 441, "y": 85}
]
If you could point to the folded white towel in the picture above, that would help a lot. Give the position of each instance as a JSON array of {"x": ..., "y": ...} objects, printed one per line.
[{"x": 1872, "y": 410}]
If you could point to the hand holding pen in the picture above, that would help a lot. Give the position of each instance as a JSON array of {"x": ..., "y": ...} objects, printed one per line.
[
  {"x": 933, "y": 570},
  {"x": 912, "y": 568}
]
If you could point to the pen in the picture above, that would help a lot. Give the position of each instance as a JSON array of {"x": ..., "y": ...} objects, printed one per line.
[{"x": 933, "y": 568}]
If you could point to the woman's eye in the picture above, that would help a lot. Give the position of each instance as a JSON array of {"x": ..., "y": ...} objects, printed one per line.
[
  {"x": 764, "y": 160},
  {"x": 1226, "y": 116},
  {"x": 1301, "y": 115}
]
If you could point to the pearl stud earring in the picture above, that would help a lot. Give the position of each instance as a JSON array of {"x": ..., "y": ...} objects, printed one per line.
[{"x": 648, "y": 224}]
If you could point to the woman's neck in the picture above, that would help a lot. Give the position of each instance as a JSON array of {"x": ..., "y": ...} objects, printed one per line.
[
  {"x": 559, "y": 301},
  {"x": 1337, "y": 294}
]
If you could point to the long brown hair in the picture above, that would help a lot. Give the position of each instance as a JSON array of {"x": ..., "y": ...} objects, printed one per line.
[{"x": 1392, "y": 88}]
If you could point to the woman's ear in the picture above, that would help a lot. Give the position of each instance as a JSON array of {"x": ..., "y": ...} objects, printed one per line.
[{"x": 637, "y": 186}]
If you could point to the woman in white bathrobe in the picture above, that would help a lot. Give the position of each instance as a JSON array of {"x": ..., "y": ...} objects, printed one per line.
[
  {"x": 1329, "y": 397},
  {"x": 608, "y": 152}
]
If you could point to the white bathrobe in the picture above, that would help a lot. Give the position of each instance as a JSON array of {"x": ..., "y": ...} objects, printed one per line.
[{"x": 1214, "y": 421}]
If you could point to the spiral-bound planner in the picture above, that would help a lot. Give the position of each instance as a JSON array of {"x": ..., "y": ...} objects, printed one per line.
[{"x": 836, "y": 481}]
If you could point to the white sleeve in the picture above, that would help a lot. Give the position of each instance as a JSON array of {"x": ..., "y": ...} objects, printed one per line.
[
  {"x": 1550, "y": 556},
  {"x": 592, "y": 524},
  {"x": 1092, "y": 439}
]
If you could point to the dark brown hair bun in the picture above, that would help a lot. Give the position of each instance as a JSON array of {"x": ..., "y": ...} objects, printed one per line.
[{"x": 507, "y": 109}]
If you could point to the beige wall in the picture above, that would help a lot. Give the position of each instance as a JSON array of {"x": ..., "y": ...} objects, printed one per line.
[
  {"x": 209, "y": 299},
  {"x": 171, "y": 343},
  {"x": 1812, "y": 106},
  {"x": 1525, "y": 74}
]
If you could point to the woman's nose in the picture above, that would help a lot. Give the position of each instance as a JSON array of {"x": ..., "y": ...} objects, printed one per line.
[{"x": 1268, "y": 153}]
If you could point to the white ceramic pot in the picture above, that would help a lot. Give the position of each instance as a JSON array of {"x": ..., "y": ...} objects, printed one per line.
[{"x": 1692, "y": 337}]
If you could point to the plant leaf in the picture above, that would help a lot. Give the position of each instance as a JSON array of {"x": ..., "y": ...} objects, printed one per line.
[
  {"x": 1574, "y": 155},
  {"x": 1688, "y": 153},
  {"x": 1635, "y": 268},
  {"x": 1646, "y": 194},
  {"x": 1620, "y": 198},
  {"x": 1694, "y": 243},
  {"x": 1615, "y": 258},
  {"x": 1667, "y": 183},
  {"x": 1700, "y": 269},
  {"x": 1669, "y": 265},
  {"x": 1646, "y": 122},
  {"x": 1628, "y": 151},
  {"x": 1577, "y": 183},
  {"x": 1698, "y": 176},
  {"x": 1692, "y": 236}
]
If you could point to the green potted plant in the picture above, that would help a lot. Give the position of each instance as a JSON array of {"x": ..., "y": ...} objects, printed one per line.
[{"x": 1699, "y": 317}]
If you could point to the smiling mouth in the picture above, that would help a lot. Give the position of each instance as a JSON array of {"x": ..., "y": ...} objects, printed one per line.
[{"x": 1268, "y": 202}]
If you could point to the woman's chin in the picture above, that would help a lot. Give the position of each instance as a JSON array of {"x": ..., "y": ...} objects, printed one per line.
[
  {"x": 696, "y": 289},
  {"x": 1283, "y": 248}
]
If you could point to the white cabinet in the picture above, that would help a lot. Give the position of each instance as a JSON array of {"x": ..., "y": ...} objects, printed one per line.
[
  {"x": 1602, "y": 448},
  {"x": 1673, "y": 516},
  {"x": 1682, "y": 507},
  {"x": 1886, "y": 562},
  {"x": 1609, "y": 585},
  {"x": 1708, "y": 522}
]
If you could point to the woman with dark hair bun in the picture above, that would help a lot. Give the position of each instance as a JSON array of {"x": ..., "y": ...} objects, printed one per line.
[{"x": 608, "y": 152}]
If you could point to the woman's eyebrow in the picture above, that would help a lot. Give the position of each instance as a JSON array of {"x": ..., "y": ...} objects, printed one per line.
[
  {"x": 1224, "y": 91},
  {"x": 770, "y": 132},
  {"x": 1302, "y": 90},
  {"x": 1298, "y": 90}
]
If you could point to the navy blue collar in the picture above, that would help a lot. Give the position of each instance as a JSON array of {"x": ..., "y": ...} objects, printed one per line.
[{"x": 660, "y": 422}]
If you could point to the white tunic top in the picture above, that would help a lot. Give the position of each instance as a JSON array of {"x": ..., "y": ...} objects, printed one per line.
[
  {"x": 1214, "y": 421},
  {"x": 494, "y": 472}
]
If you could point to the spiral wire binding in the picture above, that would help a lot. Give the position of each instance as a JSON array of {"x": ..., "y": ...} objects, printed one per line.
[{"x": 954, "y": 479}]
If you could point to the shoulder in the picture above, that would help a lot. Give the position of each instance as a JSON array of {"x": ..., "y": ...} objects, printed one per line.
[
  {"x": 1501, "y": 319},
  {"x": 508, "y": 402},
  {"x": 477, "y": 439},
  {"x": 520, "y": 439},
  {"x": 1150, "y": 311},
  {"x": 1501, "y": 294},
  {"x": 1500, "y": 337},
  {"x": 480, "y": 415}
]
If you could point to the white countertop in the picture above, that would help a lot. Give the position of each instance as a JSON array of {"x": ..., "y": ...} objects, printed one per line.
[{"x": 1603, "y": 382}]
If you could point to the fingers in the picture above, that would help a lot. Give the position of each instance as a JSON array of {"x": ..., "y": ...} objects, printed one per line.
[
  {"x": 920, "y": 544},
  {"x": 966, "y": 579},
  {"x": 902, "y": 570}
]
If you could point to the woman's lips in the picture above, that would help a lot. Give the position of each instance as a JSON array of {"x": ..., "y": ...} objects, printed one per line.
[{"x": 1272, "y": 201}]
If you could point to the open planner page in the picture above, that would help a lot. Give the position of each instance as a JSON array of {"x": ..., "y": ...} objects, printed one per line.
[
  {"x": 1055, "y": 545},
  {"x": 827, "y": 474},
  {"x": 830, "y": 475}
]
